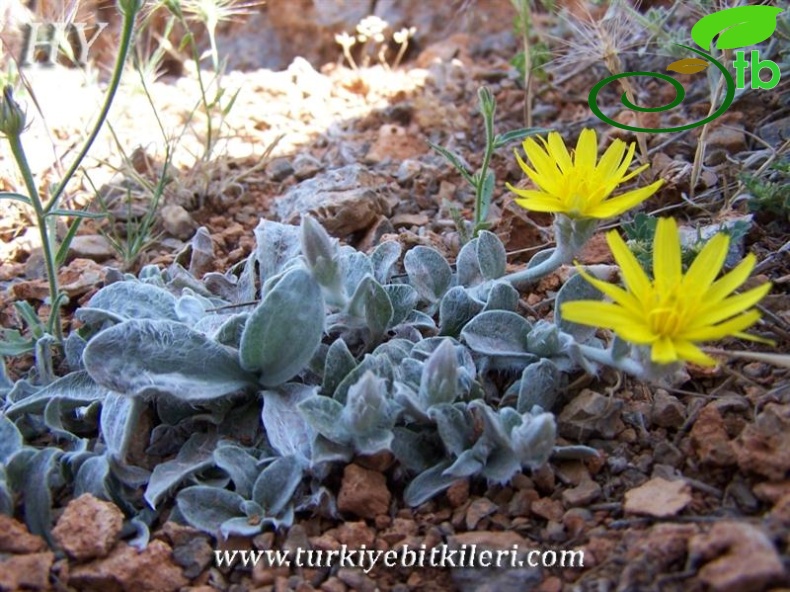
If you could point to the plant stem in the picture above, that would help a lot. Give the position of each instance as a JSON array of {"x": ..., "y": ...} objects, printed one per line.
[
  {"x": 127, "y": 29},
  {"x": 699, "y": 154},
  {"x": 15, "y": 140},
  {"x": 604, "y": 356},
  {"x": 570, "y": 236}
]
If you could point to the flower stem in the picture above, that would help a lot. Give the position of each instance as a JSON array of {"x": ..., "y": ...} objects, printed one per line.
[
  {"x": 15, "y": 141},
  {"x": 604, "y": 356},
  {"x": 570, "y": 236}
]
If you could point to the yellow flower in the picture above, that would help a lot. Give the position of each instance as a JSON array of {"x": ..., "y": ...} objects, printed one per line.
[
  {"x": 579, "y": 187},
  {"x": 673, "y": 311}
]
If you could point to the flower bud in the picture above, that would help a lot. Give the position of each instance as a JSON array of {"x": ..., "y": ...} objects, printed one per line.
[{"x": 12, "y": 118}]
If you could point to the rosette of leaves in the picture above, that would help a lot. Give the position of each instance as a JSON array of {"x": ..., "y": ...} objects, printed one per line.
[{"x": 253, "y": 382}]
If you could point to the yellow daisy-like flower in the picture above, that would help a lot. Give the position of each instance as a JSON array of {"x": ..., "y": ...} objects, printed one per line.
[
  {"x": 578, "y": 186},
  {"x": 675, "y": 310}
]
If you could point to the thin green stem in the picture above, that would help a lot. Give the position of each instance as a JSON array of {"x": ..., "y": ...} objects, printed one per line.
[
  {"x": 15, "y": 140},
  {"x": 127, "y": 29}
]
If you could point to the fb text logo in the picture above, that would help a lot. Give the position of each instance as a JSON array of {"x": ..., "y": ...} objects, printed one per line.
[{"x": 737, "y": 28}]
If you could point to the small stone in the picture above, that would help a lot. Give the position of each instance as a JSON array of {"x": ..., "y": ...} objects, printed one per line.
[
  {"x": 15, "y": 538},
  {"x": 488, "y": 539},
  {"x": 576, "y": 519},
  {"x": 477, "y": 510},
  {"x": 279, "y": 169},
  {"x": 394, "y": 142},
  {"x": 354, "y": 534},
  {"x": 130, "y": 570},
  {"x": 344, "y": 200},
  {"x": 26, "y": 572},
  {"x": 458, "y": 493},
  {"x": 658, "y": 497},
  {"x": 363, "y": 492},
  {"x": 583, "y": 494},
  {"x": 194, "y": 556},
  {"x": 548, "y": 508},
  {"x": 306, "y": 166},
  {"x": 591, "y": 415},
  {"x": 88, "y": 527},
  {"x": 730, "y": 137},
  {"x": 178, "y": 222},
  {"x": 91, "y": 246},
  {"x": 521, "y": 502},
  {"x": 710, "y": 439},
  {"x": 667, "y": 411},
  {"x": 354, "y": 578},
  {"x": 334, "y": 584},
  {"x": 763, "y": 447},
  {"x": 408, "y": 170},
  {"x": 738, "y": 556},
  {"x": 403, "y": 220}
]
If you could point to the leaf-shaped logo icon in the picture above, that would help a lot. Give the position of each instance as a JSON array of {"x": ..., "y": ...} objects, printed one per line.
[
  {"x": 688, "y": 66},
  {"x": 736, "y": 27}
]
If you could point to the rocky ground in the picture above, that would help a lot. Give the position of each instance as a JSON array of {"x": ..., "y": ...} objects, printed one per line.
[{"x": 692, "y": 487}]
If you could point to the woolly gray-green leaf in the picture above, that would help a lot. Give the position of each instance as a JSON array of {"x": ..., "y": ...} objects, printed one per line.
[
  {"x": 468, "y": 266},
  {"x": 576, "y": 288},
  {"x": 135, "y": 300},
  {"x": 118, "y": 423},
  {"x": 339, "y": 362},
  {"x": 454, "y": 425},
  {"x": 240, "y": 465},
  {"x": 286, "y": 428},
  {"x": 533, "y": 440},
  {"x": 428, "y": 271},
  {"x": 456, "y": 309},
  {"x": 207, "y": 508},
  {"x": 498, "y": 333},
  {"x": 278, "y": 246},
  {"x": 324, "y": 415},
  {"x": 439, "y": 383},
  {"x": 77, "y": 386},
  {"x": 196, "y": 455},
  {"x": 383, "y": 260},
  {"x": 491, "y": 255},
  {"x": 285, "y": 329},
  {"x": 39, "y": 475},
  {"x": 10, "y": 439},
  {"x": 276, "y": 484},
  {"x": 502, "y": 296},
  {"x": 403, "y": 299},
  {"x": 539, "y": 385},
  {"x": 144, "y": 357},
  {"x": 428, "y": 484}
]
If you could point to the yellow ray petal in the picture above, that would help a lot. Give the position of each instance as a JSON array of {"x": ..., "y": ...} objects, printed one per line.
[
  {"x": 634, "y": 276},
  {"x": 611, "y": 159},
  {"x": 731, "y": 306},
  {"x": 706, "y": 265},
  {"x": 666, "y": 254},
  {"x": 540, "y": 159},
  {"x": 663, "y": 351},
  {"x": 730, "y": 327},
  {"x": 629, "y": 156},
  {"x": 596, "y": 314},
  {"x": 725, "y": 285},
  {"x": 559, "y": 152},
  {"x": 689, "y": 351},
  {"x": 586, "y": 151},
  {"x": 622, "y": 203},
  {"x": 639, "y": 334},
  {"x": 616, "y": 293}
]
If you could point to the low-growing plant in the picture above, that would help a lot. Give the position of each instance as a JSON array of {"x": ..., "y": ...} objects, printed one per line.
[{"x": 260, "y": 380}]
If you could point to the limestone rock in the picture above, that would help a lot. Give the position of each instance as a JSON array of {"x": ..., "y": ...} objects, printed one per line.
[{"x": 88, "y": 527}]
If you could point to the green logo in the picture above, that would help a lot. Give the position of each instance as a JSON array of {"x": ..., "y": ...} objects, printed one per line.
[{"x": 736, "y": 27}]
